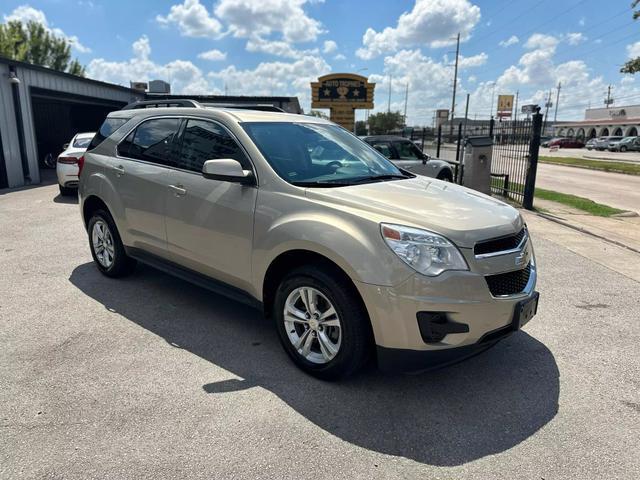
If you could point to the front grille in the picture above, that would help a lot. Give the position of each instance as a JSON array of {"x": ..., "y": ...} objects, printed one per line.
[
  {"x": 508, "y": 283},
  {"x": 499, "y": 244}
]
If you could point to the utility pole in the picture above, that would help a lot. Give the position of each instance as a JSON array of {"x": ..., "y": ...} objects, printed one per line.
[
  {"x": 555, "y": 115},
  {"x": 609, "y": 101},
  {"x": 455, "y": 84},
  {"x": 515, "y": 113},
  {"x": 406, "y": 99},
  {"x": 389, "y": 104},
  {"x": 466, "y": 115},
  {"x": 547, "y": 105},
  {"x": 493, "y": 93}
]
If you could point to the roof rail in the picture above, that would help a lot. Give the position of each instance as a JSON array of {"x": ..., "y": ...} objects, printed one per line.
[
  {"x": 264, "y": 107},
  {"x": 180, "y": 102}
]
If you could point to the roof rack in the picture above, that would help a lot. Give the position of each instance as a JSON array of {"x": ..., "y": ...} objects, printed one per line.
[
  {"x": 263, "y": 107},
  {"x": 184, "y": 103}
]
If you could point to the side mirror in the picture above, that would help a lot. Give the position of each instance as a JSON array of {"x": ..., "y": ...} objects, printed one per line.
[
  {"x": 65, "y": 146},
  {"x": 425, "y": 158},
  {"x": 227, "y": 170}
]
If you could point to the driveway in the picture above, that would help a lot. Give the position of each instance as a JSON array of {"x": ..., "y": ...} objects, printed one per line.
[
  {"x": 613, "y": 189},
  {"x": 151, "y": 377}
]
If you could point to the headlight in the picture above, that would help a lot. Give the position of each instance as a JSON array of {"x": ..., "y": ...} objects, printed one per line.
[{"x": 426, "y": 252}]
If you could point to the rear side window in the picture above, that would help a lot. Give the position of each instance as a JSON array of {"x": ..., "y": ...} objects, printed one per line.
[
  {"x": 202, "y": 141},
  {"x": 109, "y": 126},
  {"x": 151, "y": 141}
]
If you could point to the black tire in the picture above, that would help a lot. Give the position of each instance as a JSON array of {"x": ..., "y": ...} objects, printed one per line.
[
  {"x": 356, "y": 342},
  {"x": 445, "y": 176},
  {"x": 67, "y": 191},
  {"x": 122, "y": 264},
  {"x": 623, "y": 148}
]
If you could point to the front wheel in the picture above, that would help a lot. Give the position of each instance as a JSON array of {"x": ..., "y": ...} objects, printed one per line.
[
  {"x": 445, "y": 176},
  {"x": 106, "y": 246},
  {"x": 623, "y": 148},
  {"x": 321, "y": 323}
]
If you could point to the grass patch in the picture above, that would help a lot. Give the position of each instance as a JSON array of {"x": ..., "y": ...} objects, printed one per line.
[
  {"x": 602, "y": 165},
  {"x": 574, "y": 201},
  {"x": 581, "y": 203}
]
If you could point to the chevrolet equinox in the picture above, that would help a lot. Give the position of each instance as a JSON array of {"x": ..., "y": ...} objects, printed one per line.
[{"x": 349, "y": 255}]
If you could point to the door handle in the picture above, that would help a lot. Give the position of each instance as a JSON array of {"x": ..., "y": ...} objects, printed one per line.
[
  {"x": 119, "y": 170},
  {"x": 178, "y": 190}
]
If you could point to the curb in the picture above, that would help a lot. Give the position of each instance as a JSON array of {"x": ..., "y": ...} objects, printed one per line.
[{"x": 584, "y": 230}]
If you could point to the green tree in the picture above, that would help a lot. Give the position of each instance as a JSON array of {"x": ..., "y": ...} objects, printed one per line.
[
  {"x": 35, "y": 44},
  {"x": 633, "y": 65},
  {"x": 385, "y": 122},
  {"x": 361, "y": 127}
]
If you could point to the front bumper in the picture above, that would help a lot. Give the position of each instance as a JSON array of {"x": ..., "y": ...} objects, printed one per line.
[{"x": 465, "y": 299}]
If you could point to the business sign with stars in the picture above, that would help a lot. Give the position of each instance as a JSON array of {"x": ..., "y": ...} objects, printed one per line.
[{"x": 342, "y": 93}]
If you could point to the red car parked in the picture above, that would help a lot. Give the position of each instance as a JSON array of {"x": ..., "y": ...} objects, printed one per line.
[{"x": 566, "y": 143}]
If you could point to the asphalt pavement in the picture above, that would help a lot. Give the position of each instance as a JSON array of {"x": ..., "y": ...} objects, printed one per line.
[{"x": 151, "y": 377}]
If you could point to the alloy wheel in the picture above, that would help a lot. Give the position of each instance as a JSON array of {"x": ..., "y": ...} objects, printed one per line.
[
  {"x": 102, "y": 241},
  {"x": 312, "y": 325}
]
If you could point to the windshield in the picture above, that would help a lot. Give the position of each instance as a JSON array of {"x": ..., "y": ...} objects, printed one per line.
[
  {"x": 82, "y": 142},
  {"x": 311, "y": 154}
]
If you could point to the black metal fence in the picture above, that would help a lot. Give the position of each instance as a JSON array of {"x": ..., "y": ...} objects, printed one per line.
[{"x": 514, "y": 160}]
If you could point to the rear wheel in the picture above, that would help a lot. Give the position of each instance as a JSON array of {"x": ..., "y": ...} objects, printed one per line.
[
  {"x": 321, "y": 323},
  {"x": 106, "y": 246}
]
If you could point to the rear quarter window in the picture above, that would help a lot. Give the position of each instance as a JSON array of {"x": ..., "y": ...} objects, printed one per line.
[{"x": 109, "y": 126}]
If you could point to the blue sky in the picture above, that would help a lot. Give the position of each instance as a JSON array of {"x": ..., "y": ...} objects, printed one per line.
[{"x": 278, "y": 46}]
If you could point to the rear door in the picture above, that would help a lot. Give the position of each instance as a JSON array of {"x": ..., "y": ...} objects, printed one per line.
[
  {"x": 140, "y": 175},
  {"x": 210, "y": 222}
]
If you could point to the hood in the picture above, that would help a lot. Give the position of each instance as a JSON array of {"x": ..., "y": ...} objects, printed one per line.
[{"x": 462, "y": 215}]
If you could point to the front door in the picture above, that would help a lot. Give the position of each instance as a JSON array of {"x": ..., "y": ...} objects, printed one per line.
[
  {"x": 210, "y": 222},
  {"x": 140, "y": 175}
]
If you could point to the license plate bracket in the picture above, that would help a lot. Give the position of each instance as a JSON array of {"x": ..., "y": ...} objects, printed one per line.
[{"x": 525, "y": 311}]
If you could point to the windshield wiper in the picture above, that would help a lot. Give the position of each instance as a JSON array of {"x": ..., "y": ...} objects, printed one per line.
[
  {"x": 324, "y": 183},
  {"x": 379, "y": 178}
]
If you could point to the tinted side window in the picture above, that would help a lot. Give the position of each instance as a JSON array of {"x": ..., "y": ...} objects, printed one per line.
[
  {"x": 204, "y": 141},
  {"x": 109, "y": 126},
  {"x": 383, "y": 148},
  {"x": 152, "y": 141},
  {"x": 407, "y": 150}
]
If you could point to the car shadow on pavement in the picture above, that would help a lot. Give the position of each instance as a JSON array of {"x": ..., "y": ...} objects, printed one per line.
[
  {"x": 483, "y": 406},
  {"x": 68, "y": 199}
]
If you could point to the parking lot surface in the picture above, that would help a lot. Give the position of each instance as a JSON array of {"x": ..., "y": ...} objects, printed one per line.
[{"x": 151, "y": 377}]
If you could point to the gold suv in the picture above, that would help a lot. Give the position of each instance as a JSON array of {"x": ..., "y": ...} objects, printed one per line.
[{"x": 351, "y": 256}]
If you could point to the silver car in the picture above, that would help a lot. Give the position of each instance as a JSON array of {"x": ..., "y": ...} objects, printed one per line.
[
  {"x": 352, "y": 260},
  {"x": 407, "y": 155}
]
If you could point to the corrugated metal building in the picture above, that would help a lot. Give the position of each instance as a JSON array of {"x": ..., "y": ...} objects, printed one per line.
[{"x": 41, "y": 109}]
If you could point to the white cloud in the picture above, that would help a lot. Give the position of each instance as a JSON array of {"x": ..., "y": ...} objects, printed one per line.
[
  {"x": 248, "y": 18},
  {"x": 575, "y": 38},
  {"x": 192, "y": 19},
  {"x": 276, "y": 47},
  {"x": 473, "y": 61},
  {"x": 25, "y": 13},
  {"x": 274, "y": 78},
  {"x": 541, "y": 41},
  {"x": 329, "y": 46},
  {"x": 339, "y": 57},
  {"x": 430, "y": 22},
  {"x": 633, "y": 50},
  {"x": 512, "y": 40},
  {"x": 213, "y": 55},
  {"x": 183, "y": 75}
]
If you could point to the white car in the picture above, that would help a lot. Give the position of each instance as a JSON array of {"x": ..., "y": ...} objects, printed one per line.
[{"x": 68, "y": 164}]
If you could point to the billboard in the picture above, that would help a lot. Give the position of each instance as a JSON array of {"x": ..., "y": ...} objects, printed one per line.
[
  {"x": 505, "y": 105},
  {"x": 342, "y": 93}
]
